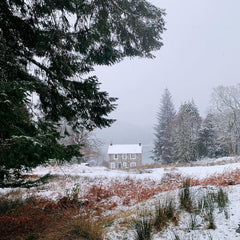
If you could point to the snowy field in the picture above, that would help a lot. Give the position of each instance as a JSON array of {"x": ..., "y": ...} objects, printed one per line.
[{"x": 126, "y": 193}]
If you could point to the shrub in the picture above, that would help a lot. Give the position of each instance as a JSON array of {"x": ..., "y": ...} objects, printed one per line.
[
  {"x": 143, "y": 228},
  {"x": 34, "y": 218},
  {"x": 8, "y": 205},
  {"x": 205, "y": 202},
  {"x": 75, "y": 192},
  {"x": 208, "y": 203},
  {"x": 222, "y": 199},
  {"x": 87, "y": 229},
  {"x": 226, "y": 213},
  {"x": 161, "y": 219},
  {"x": 211, "y": 221},
  {"x": 165, "y": 213},
  {"x": 185, "y": 196},
  {"x": 170, "y": 209},
  {"x": 193, "y": 224}
]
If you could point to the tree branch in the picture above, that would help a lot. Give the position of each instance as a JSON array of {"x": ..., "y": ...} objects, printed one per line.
[{"x": 119, "y": 8}]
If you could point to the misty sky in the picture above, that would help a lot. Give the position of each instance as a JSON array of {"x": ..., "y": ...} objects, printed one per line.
[{"x": 201, "y": 51}]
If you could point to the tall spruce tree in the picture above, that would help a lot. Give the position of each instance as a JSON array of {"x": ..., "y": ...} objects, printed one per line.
[
  {"x": 48, "y": 48},
  {"x": 162, "y": 151}
]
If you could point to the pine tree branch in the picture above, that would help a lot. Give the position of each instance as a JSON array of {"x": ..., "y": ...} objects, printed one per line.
[
  {"x": 41, "y": 66},
  {"x": 26, "y": 184},
  {"x": 119, "y": 8}
]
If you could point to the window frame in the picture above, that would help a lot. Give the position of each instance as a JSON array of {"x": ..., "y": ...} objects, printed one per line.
[
  {"x": 113, "y": 165},
  {"x": 133, "y": 156},
  {"x": 133, "y": 164}
]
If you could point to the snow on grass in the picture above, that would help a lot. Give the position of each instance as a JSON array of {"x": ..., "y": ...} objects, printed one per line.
[
  {"x": 123, "y": 193},
  {"x": 154, "y": 173},
  {"x": 225, "y": 227}
]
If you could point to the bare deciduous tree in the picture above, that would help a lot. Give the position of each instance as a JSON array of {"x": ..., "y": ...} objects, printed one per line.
[{"x": 226, "y": 104}]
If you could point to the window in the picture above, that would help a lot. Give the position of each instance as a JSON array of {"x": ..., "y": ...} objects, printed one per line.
[
  {"x": 132, "y": 164},
  {"x": 112, "y": 165},
  {"x": 124, "y": 164},
  {"x": 124, "y": 156},
  {"x": 115, "y": 156},
  {"x": 133, "y": 156}
]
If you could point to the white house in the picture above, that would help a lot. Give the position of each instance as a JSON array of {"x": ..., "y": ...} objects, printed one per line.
[{"x": 125, "y": 155}]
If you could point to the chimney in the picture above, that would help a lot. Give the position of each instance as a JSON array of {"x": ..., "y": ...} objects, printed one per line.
[{"x": 140, "y": 144}]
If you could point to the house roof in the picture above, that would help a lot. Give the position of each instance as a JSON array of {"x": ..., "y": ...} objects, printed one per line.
[{"x": 124, "y": 148}]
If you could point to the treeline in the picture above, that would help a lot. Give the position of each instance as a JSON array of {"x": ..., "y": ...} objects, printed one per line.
[{"x": 184, "y": 136}]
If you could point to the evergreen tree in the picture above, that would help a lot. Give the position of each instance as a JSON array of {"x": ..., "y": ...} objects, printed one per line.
[
  {"x": 48, "y": 49},
  {"x": 186, "y": 133},
  {"x": 162, "y": 151},
  {"x": 209, "y": 142}
]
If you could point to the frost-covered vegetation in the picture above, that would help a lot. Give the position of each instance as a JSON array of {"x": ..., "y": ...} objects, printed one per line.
[
  {"x": 185, "y": 136},
  {"x": 80, "y": 202}
]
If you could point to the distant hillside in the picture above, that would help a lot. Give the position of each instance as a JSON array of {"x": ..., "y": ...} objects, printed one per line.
[{"x": 126, "y": 133}]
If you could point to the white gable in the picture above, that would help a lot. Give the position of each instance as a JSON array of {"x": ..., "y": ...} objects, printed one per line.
[{"x": 124, "y": 148}]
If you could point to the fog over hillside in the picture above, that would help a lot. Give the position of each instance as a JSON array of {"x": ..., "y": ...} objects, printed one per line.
[{"x": 127, "y": 133}]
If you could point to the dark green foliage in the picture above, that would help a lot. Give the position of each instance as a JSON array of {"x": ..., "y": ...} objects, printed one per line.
[
  {"x": 14, "y": 182},
  {"x": 222, "y": 199},
  {"x": 48, "y": 50},
  {"x": 143, "y": 228},
  {"x": 185, "y": 196}
]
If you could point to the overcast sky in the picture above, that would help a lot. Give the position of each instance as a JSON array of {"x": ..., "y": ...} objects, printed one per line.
[{"x": 201, "y": 51}]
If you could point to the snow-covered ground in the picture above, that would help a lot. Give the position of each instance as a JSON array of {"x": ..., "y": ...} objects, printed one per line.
[
  {"x": 152, "y": 173},
  {"x": 125, "y": 189}
]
